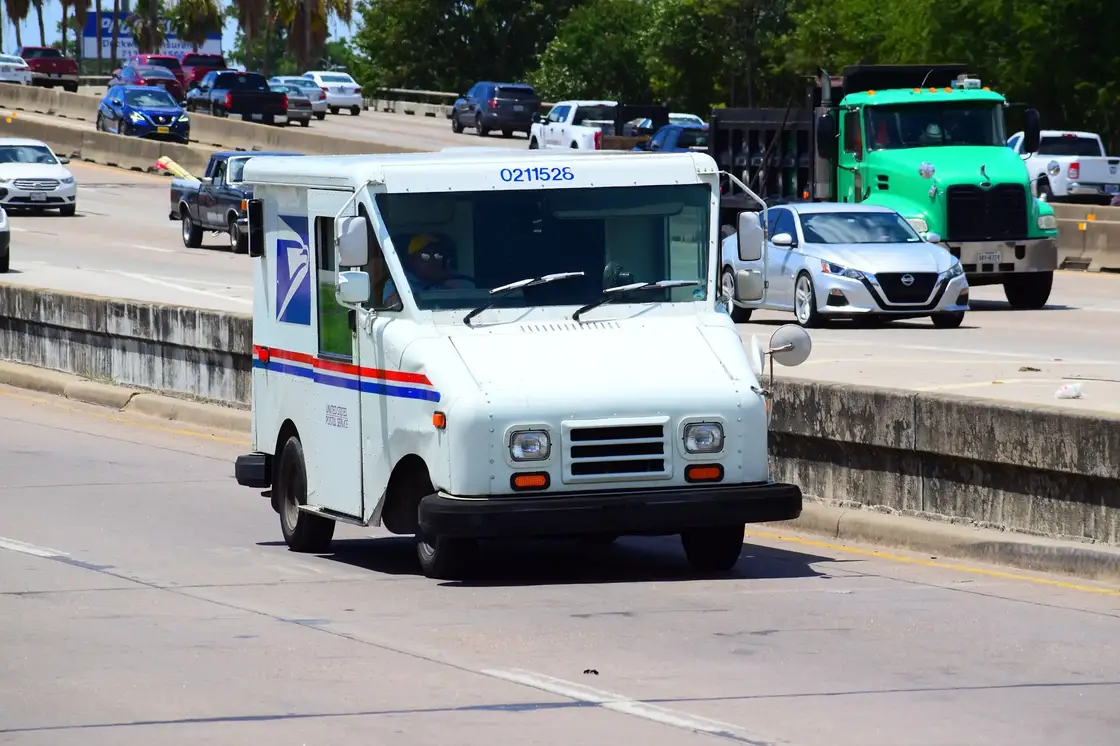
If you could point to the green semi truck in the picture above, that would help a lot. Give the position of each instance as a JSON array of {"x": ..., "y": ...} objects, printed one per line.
[{"x": 927, "y": 141}]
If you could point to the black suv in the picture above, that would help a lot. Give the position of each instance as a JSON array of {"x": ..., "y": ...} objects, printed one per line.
[{"x": 508, "y": 107}]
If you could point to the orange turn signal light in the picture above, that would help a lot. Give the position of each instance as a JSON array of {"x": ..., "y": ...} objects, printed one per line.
[
  {"x": 537, "y": 480},
  {"x": 703, "y": 473},
  {"x": 439, "y": 420}
]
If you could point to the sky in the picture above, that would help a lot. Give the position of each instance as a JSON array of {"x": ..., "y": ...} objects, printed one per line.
[{"x": 52, "y": 14}]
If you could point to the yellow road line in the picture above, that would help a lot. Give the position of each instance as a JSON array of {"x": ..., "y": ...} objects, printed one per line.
[
  {"x": 936, "y": 564},
  {"x": 125, "y": 420}
]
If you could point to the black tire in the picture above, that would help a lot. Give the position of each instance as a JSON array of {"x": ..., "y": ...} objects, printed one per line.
[
  {"x": 456, "y": 125},
  {"x": 445, "y": 558},
  {"x": 320, "y": 115},
  {"x": 1044, "y": 189},
  {"x": 334, "y": 109},
  {"x": 355, "y": 111},
  {"x": 813, "y": 319},
  {"x": 68, "y": 211},
  {"x": 70, "y": 87},
  {"x": 192, "y": 233},
  {"x": 5, "y": 263},
  {"x": 99, "y": 125},
  {"x": 303, "y": 532},
  {"x": 305, "y": 122},
  {"x": 479, "y": 129},
  {"x": 533, "y": 144},
  {"x": 507, "y": 133},
  {"x": 948, "y": 319},
  {"x": 714, "y": 549},
  {"x": 575, "y": 146},
  {"x": 738, "y": 315},
  {"x": 1029, "y": 291},
  {"x": 238, "y": 243}
]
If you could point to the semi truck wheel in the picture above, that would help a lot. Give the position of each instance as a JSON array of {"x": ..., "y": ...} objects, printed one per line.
[
  {"x": 714, "y": 549},
  {"x": 446, "y": 558},
  {"x": 303, "y": 532},
  {"x": 1029, "y": 291}
]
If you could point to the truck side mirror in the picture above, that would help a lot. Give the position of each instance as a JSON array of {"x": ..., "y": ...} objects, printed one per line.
[
  {"x": 352, "y": 288},
  {"x": 1032, "y": 131},
  {"x": 750, "y": 236},
  {"x": 255, "y": 214},
  {"x": 353, "y": 243},
  {"x": 826, "y": 136}
]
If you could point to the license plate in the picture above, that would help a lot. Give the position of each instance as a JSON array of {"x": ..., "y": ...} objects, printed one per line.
[
  {"x": 163, "y": 130},
  {"x": 989, "y": 257},
  {"x": 1112, "y": 188},
  {"x": 516, "y": 107},
  {"x": 5, "y": 69},
  {"x": 55, "y": 75},
  {"x": 38, "y": 196},
  {"x": 257, "y": 117}
]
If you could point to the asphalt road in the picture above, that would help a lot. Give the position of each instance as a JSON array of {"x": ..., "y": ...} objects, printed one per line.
[
  {"x": 401, "y": 130},
  {"x": 145, "y": 598},
  {"x": 121, "y": 244}
]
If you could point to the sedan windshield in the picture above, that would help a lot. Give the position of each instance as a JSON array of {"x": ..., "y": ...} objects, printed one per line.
[
  {"x": 856, "y": 227},
  {"x": 151, "y": 99},
  {"x": 27, "y": 154},
  {"x": 457, "y": 247},
  {"x": 932, "y": 125}
]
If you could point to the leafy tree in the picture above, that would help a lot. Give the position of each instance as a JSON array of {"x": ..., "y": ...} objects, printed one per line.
[
  {"x": 194, "y": 20},
  {"x": 596, "y": 53},
  {"x": 17, "y": 11},
  {"x": 146, "y": 26}
]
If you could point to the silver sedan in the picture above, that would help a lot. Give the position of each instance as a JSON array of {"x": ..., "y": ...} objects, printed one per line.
[{"x": 829, "y": 260}]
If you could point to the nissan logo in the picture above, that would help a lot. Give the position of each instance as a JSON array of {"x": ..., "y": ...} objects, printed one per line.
[{"x": 908, "y": 280}]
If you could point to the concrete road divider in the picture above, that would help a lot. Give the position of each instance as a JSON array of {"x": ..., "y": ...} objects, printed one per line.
[
  {"x": 221, "y": 132},
  {"x": 1040, "y": 470},
  {"x": 1088, "y": 237}
]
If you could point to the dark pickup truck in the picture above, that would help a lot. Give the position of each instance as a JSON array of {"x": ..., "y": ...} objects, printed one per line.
[
  {"x": 216, "y": 203},
  {"x": 50, "y": 67},
  {"x": 229, "y": 93}
]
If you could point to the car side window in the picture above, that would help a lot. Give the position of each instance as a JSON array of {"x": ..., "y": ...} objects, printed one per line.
[
  {"x": 557, "y": 114},
  {"x": 786, "y": 224},
  {"x": 771, "y": 219},
  {"x": 219, "y": 176}
]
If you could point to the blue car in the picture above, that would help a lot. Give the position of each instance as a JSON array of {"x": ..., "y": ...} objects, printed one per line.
[
  {"x": 143, "y": 111},
  {"x": 677, "y": 138}
]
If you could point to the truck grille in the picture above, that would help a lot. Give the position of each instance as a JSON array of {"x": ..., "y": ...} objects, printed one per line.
[
  {"x": 605, "y": 451},
  {"x": 36, "y": 185},
  {"x": 995, "y": 214},
  {"x": 897, "y": 291}
]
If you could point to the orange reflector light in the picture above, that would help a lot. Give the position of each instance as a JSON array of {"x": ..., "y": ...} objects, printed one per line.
[
  {"x": 948, "y": 89},
  {"x": 871, "y": 92},
  {"x": 933, "y": 90},
  {"x": 244, "y": 205},
  {"x": 703, "y": 473},
  {"x": 439, "y": 420},
  {"x": 533, "y": 481}
]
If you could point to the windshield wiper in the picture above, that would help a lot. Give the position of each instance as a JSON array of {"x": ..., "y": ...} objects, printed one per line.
[
  {"x": 611, "y": 293},
  {"x": 526, "y": 283}
]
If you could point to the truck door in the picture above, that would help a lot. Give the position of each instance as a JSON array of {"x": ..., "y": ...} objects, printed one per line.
[
  {"x": 208, "y": 196},
  {"x": 335, "y": 448},
  {"x": 850, "y": 186}
]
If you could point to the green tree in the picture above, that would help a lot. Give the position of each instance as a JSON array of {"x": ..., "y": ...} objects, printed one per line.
[
  {"x": 17, "y": 11},
  {"x": 146, "y": 25},
  {"x": 597, "y": 53},
  {"x": 194, "y": 20},
  {"x": 42, "y": 26},
  {"x": 252, "y": 17}
]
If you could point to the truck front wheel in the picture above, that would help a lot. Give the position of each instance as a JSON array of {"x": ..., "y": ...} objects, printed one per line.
[
  {"x": 446, "y": 558},
  {"x": 303, "y": 532},
  {"x": 1028, "y": 291},
  {"x": 533, "y": 144},
  {"x": 714, "y": 549}
]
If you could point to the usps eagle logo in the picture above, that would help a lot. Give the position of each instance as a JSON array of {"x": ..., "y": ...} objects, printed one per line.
[{"x": 293, "y": 273}]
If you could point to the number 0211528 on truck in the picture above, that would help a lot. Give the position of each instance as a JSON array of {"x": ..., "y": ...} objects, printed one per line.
[{"x": 466, "y": 346}]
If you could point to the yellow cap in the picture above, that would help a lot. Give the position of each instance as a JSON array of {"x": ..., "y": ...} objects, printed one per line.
[{"x": 420, "y": 242}]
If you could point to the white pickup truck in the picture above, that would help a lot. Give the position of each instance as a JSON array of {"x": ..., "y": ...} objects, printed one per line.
[
  {"x": 578, "y": 125},
  {"x": 1071, "y": 166}
]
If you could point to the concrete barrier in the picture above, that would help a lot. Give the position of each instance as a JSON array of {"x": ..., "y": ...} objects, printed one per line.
[
  {"x": 1040, "y": 470},
  {"x": 1088, "y": 237}
]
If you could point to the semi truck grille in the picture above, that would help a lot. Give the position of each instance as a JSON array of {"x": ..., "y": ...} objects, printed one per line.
[
  {"x": 605, "y": 451},
  {"x": 897, "y": 290},
  {"x": 36, "y": 185},
  {"x": 995, "y": 214}
]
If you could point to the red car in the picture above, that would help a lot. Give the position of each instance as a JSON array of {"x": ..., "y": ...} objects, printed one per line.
[
  {"x": 149, "y": 75},
  {"x": 160, "y": 60},
  {"x": 196, "y": 65}
]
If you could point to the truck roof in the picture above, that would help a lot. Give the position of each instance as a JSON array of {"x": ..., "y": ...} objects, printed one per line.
[
  {"x": 424, "y": 172},
  {"x": 921, "y": 96}
]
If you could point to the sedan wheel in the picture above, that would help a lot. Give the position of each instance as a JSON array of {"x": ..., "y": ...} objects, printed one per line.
[
  {"x": 727, "y": 285},
  {"x": 805, "y": 302}
]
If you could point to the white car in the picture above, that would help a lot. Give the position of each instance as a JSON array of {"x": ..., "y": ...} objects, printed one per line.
[
  {"x": 33, "y": 177},
  {"x": 5, "y": 241},
  {"x": 827, "y": 260},
  {"x": 343, "y": 92},
  {"x": 317, "y": 95},
  {"x": 14, "y": 70}
]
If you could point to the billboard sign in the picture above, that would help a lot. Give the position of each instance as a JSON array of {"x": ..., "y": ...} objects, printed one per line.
[{"x": 126, "y": 45}]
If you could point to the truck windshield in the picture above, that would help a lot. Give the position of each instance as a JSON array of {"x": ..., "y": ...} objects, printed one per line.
[
  {"x": 934, "y": 125},
  {"x": 457, "y": 247},
  {"x": 37, "y": 53},
  {"x": 856, "y": 227}
]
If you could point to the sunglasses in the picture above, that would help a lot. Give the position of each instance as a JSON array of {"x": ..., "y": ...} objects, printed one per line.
[{"x": 428, "y": 256}]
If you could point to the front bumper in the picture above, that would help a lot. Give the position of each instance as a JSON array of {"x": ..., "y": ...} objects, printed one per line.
[
  {"x": 12, "y": 195},
  {"x": 845, "y": 296},
  {"x": 645, "y": 511},
  {"x": 986, "y": 260}
]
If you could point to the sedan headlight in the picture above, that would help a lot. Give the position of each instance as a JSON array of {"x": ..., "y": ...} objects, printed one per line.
[
  {"x": 835, "y": 269},
  {"x": 918, "y": 224},
  {"x": 703, "y": 437},
  {"x": 1047, "y": 222},
  {"x": 184, "y": 118},
  {"x": 67, "y": 180},
  {"x": 955, "y": 269},
  {"x": 530, "y": 445},
  {"x": 136, "y": 116}
]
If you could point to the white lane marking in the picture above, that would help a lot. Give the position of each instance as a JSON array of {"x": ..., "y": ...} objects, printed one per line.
[
  {"x": 24, "y": 548},
  {"x": 619, "y": 703},
  {"x": 181, "y": 288},
  {"x": 152, "y": 248},
  {"x": 18, "y": 230}
]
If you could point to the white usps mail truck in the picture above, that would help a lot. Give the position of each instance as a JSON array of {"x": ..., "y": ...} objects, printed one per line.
[{"x": 479, "y": 345}]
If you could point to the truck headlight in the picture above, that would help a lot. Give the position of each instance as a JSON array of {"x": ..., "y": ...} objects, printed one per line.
[
  {"x": 918, "y": 224},
  {"x": 703, "y": 437},
  {"x": 1047, "y": 222},
  {"x": 529, "y": 445}
]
